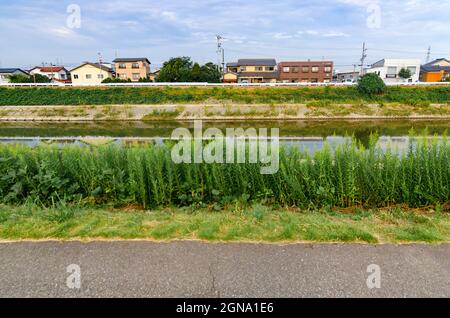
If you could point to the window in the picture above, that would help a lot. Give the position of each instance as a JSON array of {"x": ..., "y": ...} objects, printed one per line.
[
  {"x": 135, "y": 65},
  {"x": 88, "y": 76},
  {"x": 63, "y": 76},
  {"x": 391, "y": 72},
  {"x": 315, "y": 69},
  {"x": 295, "y": 70},
  {"x": 270, "y": 68},
  {"x": 75, "y": 76},
  {"x": 305, "y": 69},
  {"x": 327, "y": 69},
  {"x": 286, "y": 69},
  {"x": 136, "y": 76},
  {"x": 259, "y": 68},
  {"x": 122, "y": 65},
  {"x": 412, "y": 69},
  {"x": 122, "y": 75},
  {"x": 314, "y": 80},
  {"x": 242, "y": 68},
  {"x": 100, "y": 76}
]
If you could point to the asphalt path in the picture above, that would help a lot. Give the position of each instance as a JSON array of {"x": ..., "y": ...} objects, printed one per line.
[{"x": 196, "y": 269}]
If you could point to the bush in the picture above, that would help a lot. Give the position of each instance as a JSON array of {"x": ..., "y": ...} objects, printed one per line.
[
  {"x": 36, "y": 78},
  {"x": 236, "y": 95},
  {"x": 346, "y": 176},
  {"x": 115, "y": 80},
  {"x": 405, "y": 73},
  {"x": 371, "y": 84}
]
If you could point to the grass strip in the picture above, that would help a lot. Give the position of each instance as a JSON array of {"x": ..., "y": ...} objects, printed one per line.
[{"x": 252, "y": 223}]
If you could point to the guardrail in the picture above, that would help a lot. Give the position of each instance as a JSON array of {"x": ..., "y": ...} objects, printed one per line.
[{"x": 211, "y": 84}]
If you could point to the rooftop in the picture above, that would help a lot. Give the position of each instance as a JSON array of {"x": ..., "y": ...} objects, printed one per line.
[
  {"x": 49, "y": 69},
  {"x": 10, "y": 70},
  {"x": 253, "y": 62},
  {"x": 436, "y": 61},
  {"x": 102, "y": 67},
  {"x": 437, "y": 68},
  {"x": 131, "y": 59}
]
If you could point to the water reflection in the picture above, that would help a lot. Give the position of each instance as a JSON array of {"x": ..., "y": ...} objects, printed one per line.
[{"x": 397, "y": 144}]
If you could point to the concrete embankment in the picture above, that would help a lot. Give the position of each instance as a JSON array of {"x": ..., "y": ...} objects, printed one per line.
[{"x": 222, "y": 112}]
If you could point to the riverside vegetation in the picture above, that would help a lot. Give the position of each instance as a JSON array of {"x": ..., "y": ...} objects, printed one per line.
[
  {"x": 347, "y": 176},
  {"x": 414, "y": 96}
]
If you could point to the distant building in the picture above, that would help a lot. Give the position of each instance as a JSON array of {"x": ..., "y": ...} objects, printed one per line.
[
  {"x": 346, "y": 77},
  {"x": 56, "y": 73},
  {"x": 435, "y": 71},
  {"x": 90, "y": 74},
  {"x": 389, "y": 69},
  {"x": 5, "y": 73},
  {"x": 153, "y": 75},
  {"x": 132, "y": 68},
  {"x": 305, "y": 71},
  {"x": 252, "y": 71}
]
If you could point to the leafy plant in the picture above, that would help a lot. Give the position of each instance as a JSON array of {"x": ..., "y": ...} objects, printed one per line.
[
  {"x": 371, "y": 84},
  {"x": 405, "y": 73}
]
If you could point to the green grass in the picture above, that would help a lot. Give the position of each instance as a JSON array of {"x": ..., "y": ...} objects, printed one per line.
[
  {"x": 255, "y": 223},
  {"x": 351, "y": 175},
  {"x": 314, "y": 96},
  {"x": 165, "y": 114}
]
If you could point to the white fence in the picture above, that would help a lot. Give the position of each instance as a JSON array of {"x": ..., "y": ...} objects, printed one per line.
[{"x": 211, "y": 85}]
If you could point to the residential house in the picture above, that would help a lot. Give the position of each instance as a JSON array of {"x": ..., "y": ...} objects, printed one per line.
[
  {"x": 153, "y": 75},
  {"x": 435, "y": 71},
  {"x": 5, "y": 73},
  {"x": 55, "y": 73},
  {"x": 252, "y": 71},
  {"x": 132, "y": 68},
  {"x": 305, "y": 72},
  {"x": 90, "y": 74},
  {"x": 346, "y": 77},
  {"x": 389, "y": 69}
]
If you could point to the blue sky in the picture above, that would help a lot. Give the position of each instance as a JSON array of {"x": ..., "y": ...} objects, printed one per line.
[{"x": 36, "y": 31}]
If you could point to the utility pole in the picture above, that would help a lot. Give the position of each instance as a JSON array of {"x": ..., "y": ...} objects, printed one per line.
[
  {"x": 100, "y": 66},
  {"x": 51, "y": 71},
  {"x": 429, "y": 54},
  {"x": 363, "y": 58},
  {"x": 221, "y": 53}
]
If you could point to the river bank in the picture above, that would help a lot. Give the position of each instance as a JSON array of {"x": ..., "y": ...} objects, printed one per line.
[{"x": 223, "y": 112}]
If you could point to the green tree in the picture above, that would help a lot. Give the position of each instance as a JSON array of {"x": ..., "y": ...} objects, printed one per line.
[
  {"x": 36, "y": 78},
  {"x": 196, "y": 73},
  {"x": 210, "y": 73},
  {"x": 183, "y": 69},
  {"x": 405, "y": 73},
  {"x": 178, "y": 69},
  {"x": 371, "y": 84}
]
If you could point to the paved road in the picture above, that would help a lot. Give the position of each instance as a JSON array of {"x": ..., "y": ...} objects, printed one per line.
[{"x": 193, "y": 269}]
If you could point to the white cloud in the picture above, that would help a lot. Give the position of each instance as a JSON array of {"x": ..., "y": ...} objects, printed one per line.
[
  {"x": 282, "y": 36},
  {"x": 335, "y": 34}
]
